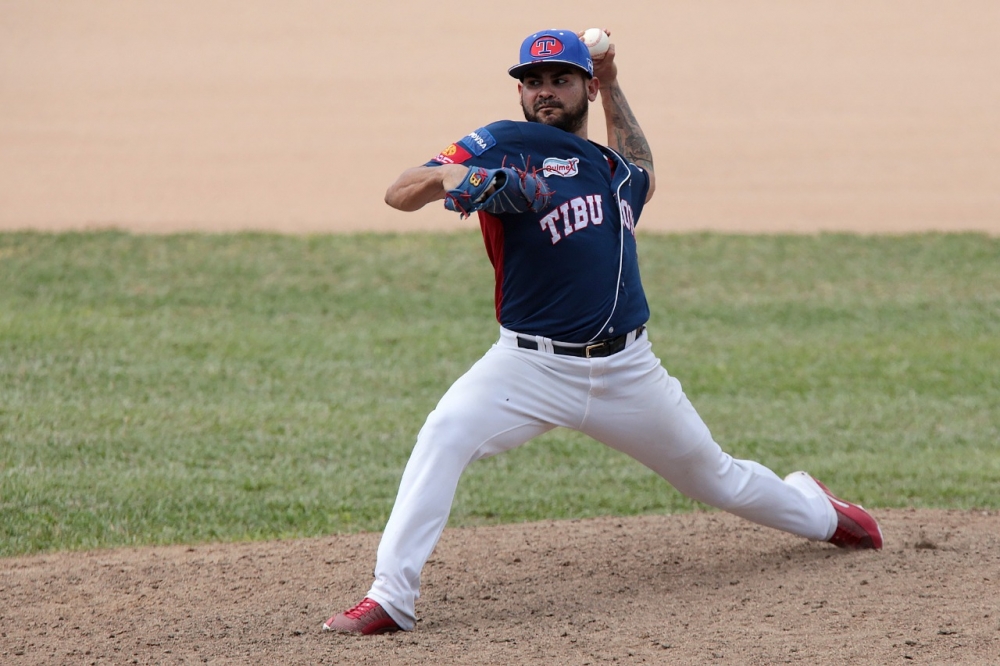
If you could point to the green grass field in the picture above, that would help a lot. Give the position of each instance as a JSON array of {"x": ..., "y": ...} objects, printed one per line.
[{"x": 223, "y": 387}]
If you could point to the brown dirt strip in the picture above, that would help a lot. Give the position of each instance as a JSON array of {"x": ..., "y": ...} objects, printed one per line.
[{"x": 683, "y": 589}]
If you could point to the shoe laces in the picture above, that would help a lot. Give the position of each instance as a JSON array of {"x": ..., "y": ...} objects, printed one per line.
[{"x": 363, "y": 608}]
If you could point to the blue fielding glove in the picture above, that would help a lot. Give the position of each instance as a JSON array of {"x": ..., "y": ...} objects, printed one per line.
[{"x": 513, "y": 191}]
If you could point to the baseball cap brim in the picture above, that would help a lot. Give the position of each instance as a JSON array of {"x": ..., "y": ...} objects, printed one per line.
[{"x": 518, "y": 71}]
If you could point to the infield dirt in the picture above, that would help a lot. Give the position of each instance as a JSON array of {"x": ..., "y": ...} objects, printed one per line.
[
  {"x": 796, "y": 116},
  {"x": 687, "y": 589},
  {"x": 791, "y": 115}
]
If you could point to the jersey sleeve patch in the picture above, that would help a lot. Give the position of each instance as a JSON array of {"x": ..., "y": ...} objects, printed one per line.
[
  {"x": 478, "y": 142},
  {"x": 453, "y": 154}
]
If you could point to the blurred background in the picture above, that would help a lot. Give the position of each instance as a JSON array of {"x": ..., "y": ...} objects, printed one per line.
[{"x": 763, "y": 115}]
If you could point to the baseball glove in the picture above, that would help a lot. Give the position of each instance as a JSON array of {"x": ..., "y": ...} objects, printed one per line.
[{"x": 514, "y": 191}]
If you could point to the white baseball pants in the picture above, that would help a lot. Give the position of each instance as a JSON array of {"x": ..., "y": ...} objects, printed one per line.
[{"x": 627, "y": 401}]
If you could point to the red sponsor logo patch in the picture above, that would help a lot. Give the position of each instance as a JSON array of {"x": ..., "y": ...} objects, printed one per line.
[
  {"x": 453, "y": 154},
  {"x": 546, "y": 47}
]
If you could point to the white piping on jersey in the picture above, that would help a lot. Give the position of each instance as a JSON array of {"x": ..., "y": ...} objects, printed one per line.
[{"x": 621, "y": 240}]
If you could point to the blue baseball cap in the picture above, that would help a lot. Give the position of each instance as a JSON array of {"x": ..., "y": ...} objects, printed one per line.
[{"x": 553, "y": 46}]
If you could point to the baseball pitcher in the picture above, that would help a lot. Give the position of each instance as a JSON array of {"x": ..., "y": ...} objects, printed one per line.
[{"x": 558, "y": 214}]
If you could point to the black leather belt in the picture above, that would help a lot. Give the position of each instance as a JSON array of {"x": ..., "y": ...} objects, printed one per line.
[{"x": 598, "y": 349}]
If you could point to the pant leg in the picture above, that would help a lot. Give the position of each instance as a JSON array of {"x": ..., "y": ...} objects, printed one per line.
[
  {"x": 643, "y": 412},
  {"x": 508, "y": 397}
]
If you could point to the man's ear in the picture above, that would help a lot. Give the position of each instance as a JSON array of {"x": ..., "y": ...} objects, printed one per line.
[{"x": 593, "y": 87}]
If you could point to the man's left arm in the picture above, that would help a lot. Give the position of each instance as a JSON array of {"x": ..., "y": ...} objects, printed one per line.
[{"x": 624, "y": 133}]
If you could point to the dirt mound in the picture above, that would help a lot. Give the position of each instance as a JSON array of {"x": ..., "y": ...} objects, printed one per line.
[{"x": 684, "y": 589}]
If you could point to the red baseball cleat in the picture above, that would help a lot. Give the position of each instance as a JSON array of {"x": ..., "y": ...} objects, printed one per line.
[
  {"x": 856, "y": 528},
  {"x": 365, "y": 618}
]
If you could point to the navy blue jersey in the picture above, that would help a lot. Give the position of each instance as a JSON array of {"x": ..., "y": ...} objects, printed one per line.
[{"x": 570, "y": 272}]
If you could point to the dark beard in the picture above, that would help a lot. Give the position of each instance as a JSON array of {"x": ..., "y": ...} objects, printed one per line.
[{"x": 572, "y": 120}]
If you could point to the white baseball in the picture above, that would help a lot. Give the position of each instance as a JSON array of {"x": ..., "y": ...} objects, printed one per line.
[{"x": 597, "y": 42}]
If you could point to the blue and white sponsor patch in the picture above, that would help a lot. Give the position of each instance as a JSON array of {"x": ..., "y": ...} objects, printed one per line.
[{"x": 478, "y": 142}]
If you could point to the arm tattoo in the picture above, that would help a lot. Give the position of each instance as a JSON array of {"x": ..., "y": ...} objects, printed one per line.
[{"x": 624, "y": 133}]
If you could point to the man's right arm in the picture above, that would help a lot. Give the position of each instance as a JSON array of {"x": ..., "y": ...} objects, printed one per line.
[
  {"x": 624, "y": 133},
  {"x": 417, "y": 187}
]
